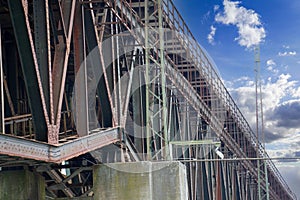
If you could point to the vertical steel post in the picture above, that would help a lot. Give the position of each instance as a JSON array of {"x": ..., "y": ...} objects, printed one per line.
[
  {"x": 257, "y": 68},
  {"x": 263, "y": 130},
  {"x": 1, "y": 86},
  {"x": 119, "y": 86},
  {"x": 259, "y": 105},
  {"x": 267, "y": 181},
  {"x": 163, "y": 79},
  {"x": 156, "y": 118},
  {"x": 42, "y": 47},
  {"x": 81, "y": 88},
  {"x": 114, "y": 81},
  {"x": 147, "y": 61}
]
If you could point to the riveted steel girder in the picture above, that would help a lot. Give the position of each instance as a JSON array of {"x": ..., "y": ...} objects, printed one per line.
[
  {"x": 29, "y": 66},
  {"x": 15, "y": 146},
  {"x": 42, "y": 45}
]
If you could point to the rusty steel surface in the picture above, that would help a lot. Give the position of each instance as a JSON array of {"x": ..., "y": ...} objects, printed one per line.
[{"x": 15, "y": 146}]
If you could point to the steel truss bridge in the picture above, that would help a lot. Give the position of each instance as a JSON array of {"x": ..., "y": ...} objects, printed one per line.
[{"x": 85, "y": 82}]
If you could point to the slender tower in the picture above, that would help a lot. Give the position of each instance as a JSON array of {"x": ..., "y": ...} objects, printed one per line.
[{"x": 260, "y": 125}]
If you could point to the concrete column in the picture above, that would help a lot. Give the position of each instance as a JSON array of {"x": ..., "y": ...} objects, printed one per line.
[
  {"x": 21, "y": 185},
  {"x": 140, "y": 180}
]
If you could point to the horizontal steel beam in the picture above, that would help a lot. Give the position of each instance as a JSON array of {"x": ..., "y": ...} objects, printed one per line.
[
  {"x": 195, "y": 142},
  {"x": 19, "y": 147}
]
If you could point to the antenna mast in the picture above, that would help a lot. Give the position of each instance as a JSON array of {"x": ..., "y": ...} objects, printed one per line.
[{"x": 260, "y": 115}]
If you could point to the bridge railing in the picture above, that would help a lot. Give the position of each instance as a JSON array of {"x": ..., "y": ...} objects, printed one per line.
[{"x": 208, "y": 69}]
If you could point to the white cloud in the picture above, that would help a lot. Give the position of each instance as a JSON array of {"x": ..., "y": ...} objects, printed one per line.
[
  {"x": 296, "y": 93},
  {"x": 242, "y": 79},
  {"x": 274, "y": 93},
  {"x": 211, "y": 35},
  {"x": 247, "y": 21},
  {"x": 286, "y": 46},
  {"x": 282, "y": 130},
  {"x": 271, "y": 63},
  {"x": 272, "y": 69},
  {"x": 287, "y": 53},
  {"x": 271, "y": 66},
  {"x": 216, "y": 8},
  {"x": 287, "y": 115}
]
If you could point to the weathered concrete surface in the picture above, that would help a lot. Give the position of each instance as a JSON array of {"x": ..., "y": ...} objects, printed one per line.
[
  {"x": 74, "y": 198},
  {"x": 21, "y": 185},
  {"x": 140, "y": 181}
]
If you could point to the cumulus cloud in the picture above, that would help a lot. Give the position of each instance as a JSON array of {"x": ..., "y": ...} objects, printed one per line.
[
  {"x": 287, "y": 53},
  {"x": 250, "y": 29},
  {"x": 274, "y": 92},
  {"x": 296, "y": 93},
  {"x": 281, "y": 119},
  {"x": 270, "y": 137},
  {"x": 271, "y": 66},
  {"x": 244, "y": 79},
  {"x": 271, "y": 62},
  {"x": 287, "y": 114},
  {"x": 211, "y": 35},
  {"x": 287, "y": 147}
]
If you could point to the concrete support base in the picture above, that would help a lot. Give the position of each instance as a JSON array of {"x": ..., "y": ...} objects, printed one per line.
[
  {"x": 140, "y": 180},
  {"x": 21, "y": 185}
]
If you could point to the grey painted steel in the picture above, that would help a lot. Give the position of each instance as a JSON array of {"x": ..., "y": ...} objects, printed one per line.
[
  {"x": 2, "y": 127},
  {"x": 163, "y": 80},
  {"x": 148, "y": 117},
  {"x": 80, "y": 85},
  {"x": 102, "y": 91}
]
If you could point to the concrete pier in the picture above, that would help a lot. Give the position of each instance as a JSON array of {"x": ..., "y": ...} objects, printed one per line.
[
  {"x": 21, "y": 185},
  {"x": 140, "y": 180}
]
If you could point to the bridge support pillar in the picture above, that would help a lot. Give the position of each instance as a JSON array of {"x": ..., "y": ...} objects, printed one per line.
[
  {"x": 21, "y": 185},
  {"x": 140, "y": 180}
]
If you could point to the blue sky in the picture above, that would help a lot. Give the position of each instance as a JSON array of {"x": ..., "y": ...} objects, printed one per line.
[{"x": 229, "y": 30}]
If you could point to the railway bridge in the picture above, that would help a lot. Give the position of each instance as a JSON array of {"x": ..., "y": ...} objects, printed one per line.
[{"x": 97, "y": 82}]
